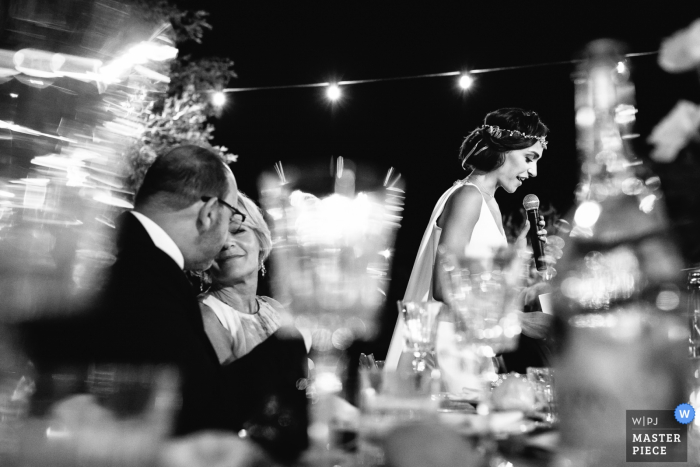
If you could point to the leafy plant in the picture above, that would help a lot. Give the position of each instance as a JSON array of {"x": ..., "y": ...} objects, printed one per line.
[{"x": 183, "y": 114}]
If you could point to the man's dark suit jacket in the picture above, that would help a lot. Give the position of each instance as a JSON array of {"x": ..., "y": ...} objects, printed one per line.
[{"x": 149, "y": 313}]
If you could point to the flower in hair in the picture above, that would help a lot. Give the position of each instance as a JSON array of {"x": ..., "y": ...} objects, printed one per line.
[
  {"x": 494, "y": 131},
  {"x": 498, "y": 133}
]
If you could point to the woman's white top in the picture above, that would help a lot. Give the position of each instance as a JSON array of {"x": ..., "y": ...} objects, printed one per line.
[
  {"x": 247, "y": 330},
  {"x": 486, "y": 237}
]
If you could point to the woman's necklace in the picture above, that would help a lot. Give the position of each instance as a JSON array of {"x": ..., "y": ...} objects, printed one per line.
[
  {"x": 224, "y": 295},
  {"x": 484, "y": 192}
]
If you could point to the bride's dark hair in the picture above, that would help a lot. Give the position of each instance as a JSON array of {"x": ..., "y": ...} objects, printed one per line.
[{"x": 484, "y": 151}]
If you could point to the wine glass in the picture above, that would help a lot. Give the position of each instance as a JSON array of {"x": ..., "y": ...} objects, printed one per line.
[
  {"x": 102, "y": 415},
  {"x": 421, "y": 329},
  {"x": 482, "y": 294},
  {"x": 333, "y": 235},
  {"x": 542, "y": 380}
]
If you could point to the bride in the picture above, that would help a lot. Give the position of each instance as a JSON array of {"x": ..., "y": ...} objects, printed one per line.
[{"x": 501, "y": 153}]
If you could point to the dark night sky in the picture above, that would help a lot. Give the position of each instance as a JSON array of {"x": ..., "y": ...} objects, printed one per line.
[{"x": 417, "y": 126}]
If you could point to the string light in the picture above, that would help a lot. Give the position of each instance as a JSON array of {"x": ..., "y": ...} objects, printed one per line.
[
  {"x": 218, "y": 99},
  {"x": 333, "y": 92},
  {"x": 331, "y": 86},
  {"x": 465, "y": 81}
]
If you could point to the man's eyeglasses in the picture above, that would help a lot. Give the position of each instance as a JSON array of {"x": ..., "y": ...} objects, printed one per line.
[{"x": 237, "y": 217}]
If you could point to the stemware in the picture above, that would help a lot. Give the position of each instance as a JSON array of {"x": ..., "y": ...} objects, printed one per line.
[
  {"x": 333, "y": 236},
  {"x": 482, "y": 293},
  {"x": 332, "y": 248},
  {"x": 104, "y": 415},
  {"x": 542, "y": 380},
  {"x": 421, "y": 329},
  {"x": 389, "y": 399}
]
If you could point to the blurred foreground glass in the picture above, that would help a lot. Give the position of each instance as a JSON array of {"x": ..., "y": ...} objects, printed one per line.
[
  {"x": 333, "y": 235},
  {"x": 482, "y": 319},
  {"x": 694, "y": 400},
  {"x": 542, "y": 380},
  {"x": 108, "y": 416},
  {"x": 622, "y": 342},
  {"x": 483, "y": 292},
  {"x": 16, "y": 389},
  {"x": 421, "y": 328},
  {"x": 694, "y": 313},
  {"x": 389, "y": 399}
]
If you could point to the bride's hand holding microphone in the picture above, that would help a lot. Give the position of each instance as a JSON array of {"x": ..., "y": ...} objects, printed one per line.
[{"x": 534, "y": 324}]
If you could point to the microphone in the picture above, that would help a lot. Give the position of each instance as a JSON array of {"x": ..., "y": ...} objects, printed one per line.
[{"x": 531, "y": 203}]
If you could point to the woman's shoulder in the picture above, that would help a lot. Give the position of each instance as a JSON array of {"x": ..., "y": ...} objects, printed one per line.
[
  {"x": 277, "y": 306},
  {"x": 272, "y": 310},
  {"x": 210, "y": 302},
  {"x": 286, "y": 330},
  {"x": 467, "y": 189},
  {"x": 203, "y": 307},
  {"x": 466, "y": 196}
]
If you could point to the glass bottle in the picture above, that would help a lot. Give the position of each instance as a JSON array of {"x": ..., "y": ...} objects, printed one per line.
[
  {"x": 694, "y": 313},
  {"x": 694, "y": 358},
  {"x": 621, "y": 339}
]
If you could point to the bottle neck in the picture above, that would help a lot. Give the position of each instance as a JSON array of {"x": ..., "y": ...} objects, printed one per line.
[{"x": 604, "y": 119}]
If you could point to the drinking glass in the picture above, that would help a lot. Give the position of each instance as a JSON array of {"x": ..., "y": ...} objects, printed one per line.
[
  {"x": 542, "y": 380},
  {"x": 333, "y": 235},
  {"x": 694, "y": 313},
  {"x": 389, "y": 399},
  {"x": 16, "y": 389},
  {"x": 421, "y": 328},
  {"x": 105, "y": 416},
  {"x": 483, "y": 291}
]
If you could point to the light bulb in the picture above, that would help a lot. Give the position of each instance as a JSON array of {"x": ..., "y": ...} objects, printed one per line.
[
  {"x": 333, "y": 92},
  {"x": 465, "y": 81}
]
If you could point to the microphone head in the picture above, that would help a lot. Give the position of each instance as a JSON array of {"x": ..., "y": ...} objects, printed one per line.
[{"x": 531, "y": 202}]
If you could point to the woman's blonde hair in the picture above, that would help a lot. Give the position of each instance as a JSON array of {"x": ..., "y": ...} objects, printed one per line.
[{"x": 255, "y": 221}]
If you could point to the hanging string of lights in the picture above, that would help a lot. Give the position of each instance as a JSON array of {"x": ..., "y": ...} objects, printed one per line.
[{"x": 465, "y": 80}]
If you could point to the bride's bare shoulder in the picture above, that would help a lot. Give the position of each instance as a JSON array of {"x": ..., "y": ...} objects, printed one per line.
[
  {"x": 465, "y": 201},
  {"x": 466, "y": 196}
]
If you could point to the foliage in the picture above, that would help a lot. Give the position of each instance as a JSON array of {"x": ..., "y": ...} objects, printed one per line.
[
  {"x": 189, "y": 26},
  {"x": 204, "y": 74},
  {"x": 182, "y": 114},
  {"x": 183, "y": 119}
]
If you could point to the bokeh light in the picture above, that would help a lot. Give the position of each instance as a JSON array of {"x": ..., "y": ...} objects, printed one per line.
[
  {"x": 587, "y": 214},
  {"x": 218, "y": 99},
  {"x": 333, "y": 92},
  {"x": 465, "y": 81}
]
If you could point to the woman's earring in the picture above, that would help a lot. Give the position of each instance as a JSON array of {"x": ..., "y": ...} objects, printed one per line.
[{"x": 263, "y": 271}]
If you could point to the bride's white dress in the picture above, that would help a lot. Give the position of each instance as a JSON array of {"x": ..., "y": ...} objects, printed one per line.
[{"x": 486, "y": 237}]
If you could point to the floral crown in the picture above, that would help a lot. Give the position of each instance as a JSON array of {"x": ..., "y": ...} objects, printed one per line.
[{"x": 498, "y": 132}]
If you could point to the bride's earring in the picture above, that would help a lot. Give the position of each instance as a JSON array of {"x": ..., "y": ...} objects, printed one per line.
[{"x": 263, "y": 271}]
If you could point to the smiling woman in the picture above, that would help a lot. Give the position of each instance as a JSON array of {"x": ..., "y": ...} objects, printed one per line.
[
  {"x": 264, "y": 362},
  {"x": 501, "y": 153}
]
